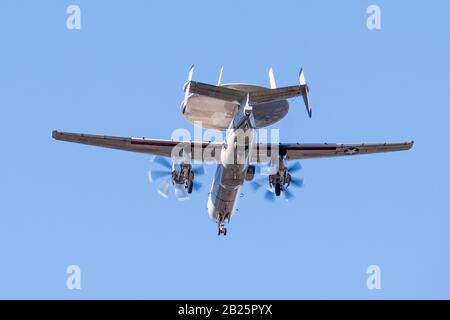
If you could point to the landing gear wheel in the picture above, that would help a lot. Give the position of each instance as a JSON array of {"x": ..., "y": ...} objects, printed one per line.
[
  {"x": 222, "y": 229},
  {"x": 189, "y": 186},
  {"x": 277, "y": 189}
]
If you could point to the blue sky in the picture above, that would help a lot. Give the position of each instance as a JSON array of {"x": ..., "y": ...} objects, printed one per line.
[{"x": 122, "y": 74}]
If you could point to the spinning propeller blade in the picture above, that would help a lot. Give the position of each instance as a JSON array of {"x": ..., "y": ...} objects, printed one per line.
[
  {"x": 265, "y": 172},
  {"x": 287, "y": 194},
  {"x": 163, "y": 161},
  {"x": 180, "y": 192},
  {"x": 297, "y": 182},
  {"x": 197, "y": 186},
  {"x": 258, "y": 184},
  {"x": 163, "y": 188},
  {"x": 199, "y": 170},
  {"x": 269, "y": 195},
  {"x": 158, "y": 174},
  {"x": 295, "y": 167}
]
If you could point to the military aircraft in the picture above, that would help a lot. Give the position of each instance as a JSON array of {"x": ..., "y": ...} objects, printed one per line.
[{"x": 239, "y": 109}]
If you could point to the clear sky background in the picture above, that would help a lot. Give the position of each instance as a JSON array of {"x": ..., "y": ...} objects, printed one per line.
[{"x": 122, "y": 74}]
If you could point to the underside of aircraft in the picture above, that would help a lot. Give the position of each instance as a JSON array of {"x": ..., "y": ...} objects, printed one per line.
[{"x": 239, "y": 110}]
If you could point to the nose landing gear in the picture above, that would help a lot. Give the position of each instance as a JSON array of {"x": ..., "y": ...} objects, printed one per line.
[{"x": 222, "y": 229}]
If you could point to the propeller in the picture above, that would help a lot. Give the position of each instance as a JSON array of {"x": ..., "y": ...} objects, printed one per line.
[
  {"x": 269, "y": 194},
  {"x": 168, "y": 186}
]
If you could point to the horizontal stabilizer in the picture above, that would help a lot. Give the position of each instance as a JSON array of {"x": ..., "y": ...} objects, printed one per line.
[{"x": 255, "y": 97}]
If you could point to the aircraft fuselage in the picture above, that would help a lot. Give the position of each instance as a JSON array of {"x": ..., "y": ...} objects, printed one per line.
[{"x": 232, "y": 171}]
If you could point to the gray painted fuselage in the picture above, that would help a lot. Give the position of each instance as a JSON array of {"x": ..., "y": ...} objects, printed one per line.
[{"x": 230, "y": 176}]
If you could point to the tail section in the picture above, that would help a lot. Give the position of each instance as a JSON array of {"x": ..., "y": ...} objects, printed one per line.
[{"x": 256, "y": 97}]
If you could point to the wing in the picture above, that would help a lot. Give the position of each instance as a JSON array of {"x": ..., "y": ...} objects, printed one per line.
[
  {"x": 149, "y": 146},
  {"x": 308, "y": 151},
  {"x": 298, "y": 151}
]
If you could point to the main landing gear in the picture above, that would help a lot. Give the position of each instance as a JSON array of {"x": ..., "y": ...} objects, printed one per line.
[
  {"x": 277, "y": 189},
  {"x": 189, "y": 185}
]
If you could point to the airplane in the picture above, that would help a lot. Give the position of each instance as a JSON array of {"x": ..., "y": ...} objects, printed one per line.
[{"x": 239, "y": 109}]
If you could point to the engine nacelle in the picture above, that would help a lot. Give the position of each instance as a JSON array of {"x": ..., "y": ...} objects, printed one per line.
[
  {"x": 183, "y": 174},
  {"x": 281, "y": 179}
]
